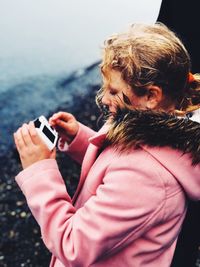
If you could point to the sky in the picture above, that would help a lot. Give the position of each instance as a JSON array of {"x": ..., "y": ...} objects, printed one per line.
[{"x": 43, "y": 37}]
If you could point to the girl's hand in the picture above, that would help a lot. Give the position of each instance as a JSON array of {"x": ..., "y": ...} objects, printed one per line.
[
  {"x": 30, "y": 146},
  {"x": 65, "y": 124}
]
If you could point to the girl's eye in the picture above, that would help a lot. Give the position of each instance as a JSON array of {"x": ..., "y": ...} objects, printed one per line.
[{"x": 112, "y": 92}]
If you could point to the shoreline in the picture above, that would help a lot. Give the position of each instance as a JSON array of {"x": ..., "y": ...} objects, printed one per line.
[{"x": 21, "y": 243}]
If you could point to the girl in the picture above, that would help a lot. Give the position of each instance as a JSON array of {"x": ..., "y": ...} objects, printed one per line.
[{"x": 137, "y": 171}]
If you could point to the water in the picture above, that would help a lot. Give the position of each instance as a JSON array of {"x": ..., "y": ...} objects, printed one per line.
[
  {"x": 42, "y": 95},
  {"x": 51, "y": 37},
  {"x": 46, "y": 42}
]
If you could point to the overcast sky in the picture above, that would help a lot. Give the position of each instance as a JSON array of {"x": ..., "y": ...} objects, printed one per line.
[{"x": 54, "y": 36}]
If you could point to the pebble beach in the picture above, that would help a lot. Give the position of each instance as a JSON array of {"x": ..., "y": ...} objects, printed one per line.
[{"x": 21, "y": 244}]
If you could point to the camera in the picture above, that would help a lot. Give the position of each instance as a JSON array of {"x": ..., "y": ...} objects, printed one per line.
[{"x": 46, "y": 132}]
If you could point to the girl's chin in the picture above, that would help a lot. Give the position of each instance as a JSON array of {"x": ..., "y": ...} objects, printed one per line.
[{"x": 111, "y": 116}]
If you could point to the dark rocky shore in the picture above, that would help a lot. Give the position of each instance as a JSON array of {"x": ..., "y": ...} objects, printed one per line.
[{"x": 20, "y": 242}]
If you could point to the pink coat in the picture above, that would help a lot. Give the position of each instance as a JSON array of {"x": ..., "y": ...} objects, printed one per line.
[{"x": 128, "y": 208}]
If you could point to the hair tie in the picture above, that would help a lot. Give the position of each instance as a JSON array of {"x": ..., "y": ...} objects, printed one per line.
[{"x": 190, "y": 77}]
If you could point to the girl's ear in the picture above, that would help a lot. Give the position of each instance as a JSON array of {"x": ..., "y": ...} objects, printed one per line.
[{"x": 154, "y": 96}]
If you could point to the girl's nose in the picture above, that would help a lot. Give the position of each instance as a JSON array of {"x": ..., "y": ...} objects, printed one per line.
[{"x": 105, "y": 99}]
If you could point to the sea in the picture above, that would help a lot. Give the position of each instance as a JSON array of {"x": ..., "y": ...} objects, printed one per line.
[{"x": 49, "y": 46}]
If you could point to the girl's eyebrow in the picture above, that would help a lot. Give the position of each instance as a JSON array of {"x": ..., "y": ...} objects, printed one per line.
[{"x": 112, "y": 88}]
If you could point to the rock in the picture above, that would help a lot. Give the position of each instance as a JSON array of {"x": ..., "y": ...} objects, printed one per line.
[{"x": 20, "y": 242}]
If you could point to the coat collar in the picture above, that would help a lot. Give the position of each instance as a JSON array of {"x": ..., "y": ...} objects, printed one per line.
[
  {"x": 136, "y": 128},
  {"x": 99, "y": 138}
]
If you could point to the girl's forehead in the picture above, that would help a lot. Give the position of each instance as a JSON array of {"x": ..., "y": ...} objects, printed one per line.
[
  {"x": 111, "y": 75},
  {"x": 114, "y": 81}
]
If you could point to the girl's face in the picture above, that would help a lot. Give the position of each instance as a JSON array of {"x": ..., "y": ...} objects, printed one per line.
[{"x": 116, "y": 91}]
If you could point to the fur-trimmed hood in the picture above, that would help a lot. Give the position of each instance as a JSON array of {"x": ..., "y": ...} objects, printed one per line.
[
  {"x": 174, "y": 142},
  {"x": 133, "y": 128}
]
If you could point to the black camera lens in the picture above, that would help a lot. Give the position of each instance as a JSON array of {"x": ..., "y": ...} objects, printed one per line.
[{"x": 37, "y": 123}]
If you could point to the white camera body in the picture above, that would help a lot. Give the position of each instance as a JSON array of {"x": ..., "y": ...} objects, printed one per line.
[{"x": 46, "y": 132}]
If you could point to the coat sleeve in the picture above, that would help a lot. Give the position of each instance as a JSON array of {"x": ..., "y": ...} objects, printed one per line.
[
  {"x": 78, "y": 146},
  {"x": 122, "y": 209}
]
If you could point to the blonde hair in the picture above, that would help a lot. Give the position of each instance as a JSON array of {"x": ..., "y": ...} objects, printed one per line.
[{"x": 152, "y": 55}]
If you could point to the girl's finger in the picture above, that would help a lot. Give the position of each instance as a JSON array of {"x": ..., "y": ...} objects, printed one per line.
[
  {"x": 53, "y": 154},
  {"x": 62, "y": 116},
  {"x": 15, "y": 140},
  {"x": 19, "y": 140},
  {"x": 63, "y": 124},
  {"x": 33, "y": 133},
  {"x": 26, "y": 135}
]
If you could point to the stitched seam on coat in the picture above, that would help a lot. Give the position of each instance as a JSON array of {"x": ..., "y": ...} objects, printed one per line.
[{"x": 124, "y": 240}]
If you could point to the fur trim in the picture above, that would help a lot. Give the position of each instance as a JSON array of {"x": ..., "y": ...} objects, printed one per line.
[{"x": 133, "y": 128}]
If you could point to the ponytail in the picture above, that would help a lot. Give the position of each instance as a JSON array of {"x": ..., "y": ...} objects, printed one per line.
[{"x": 191, "y": 99}]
